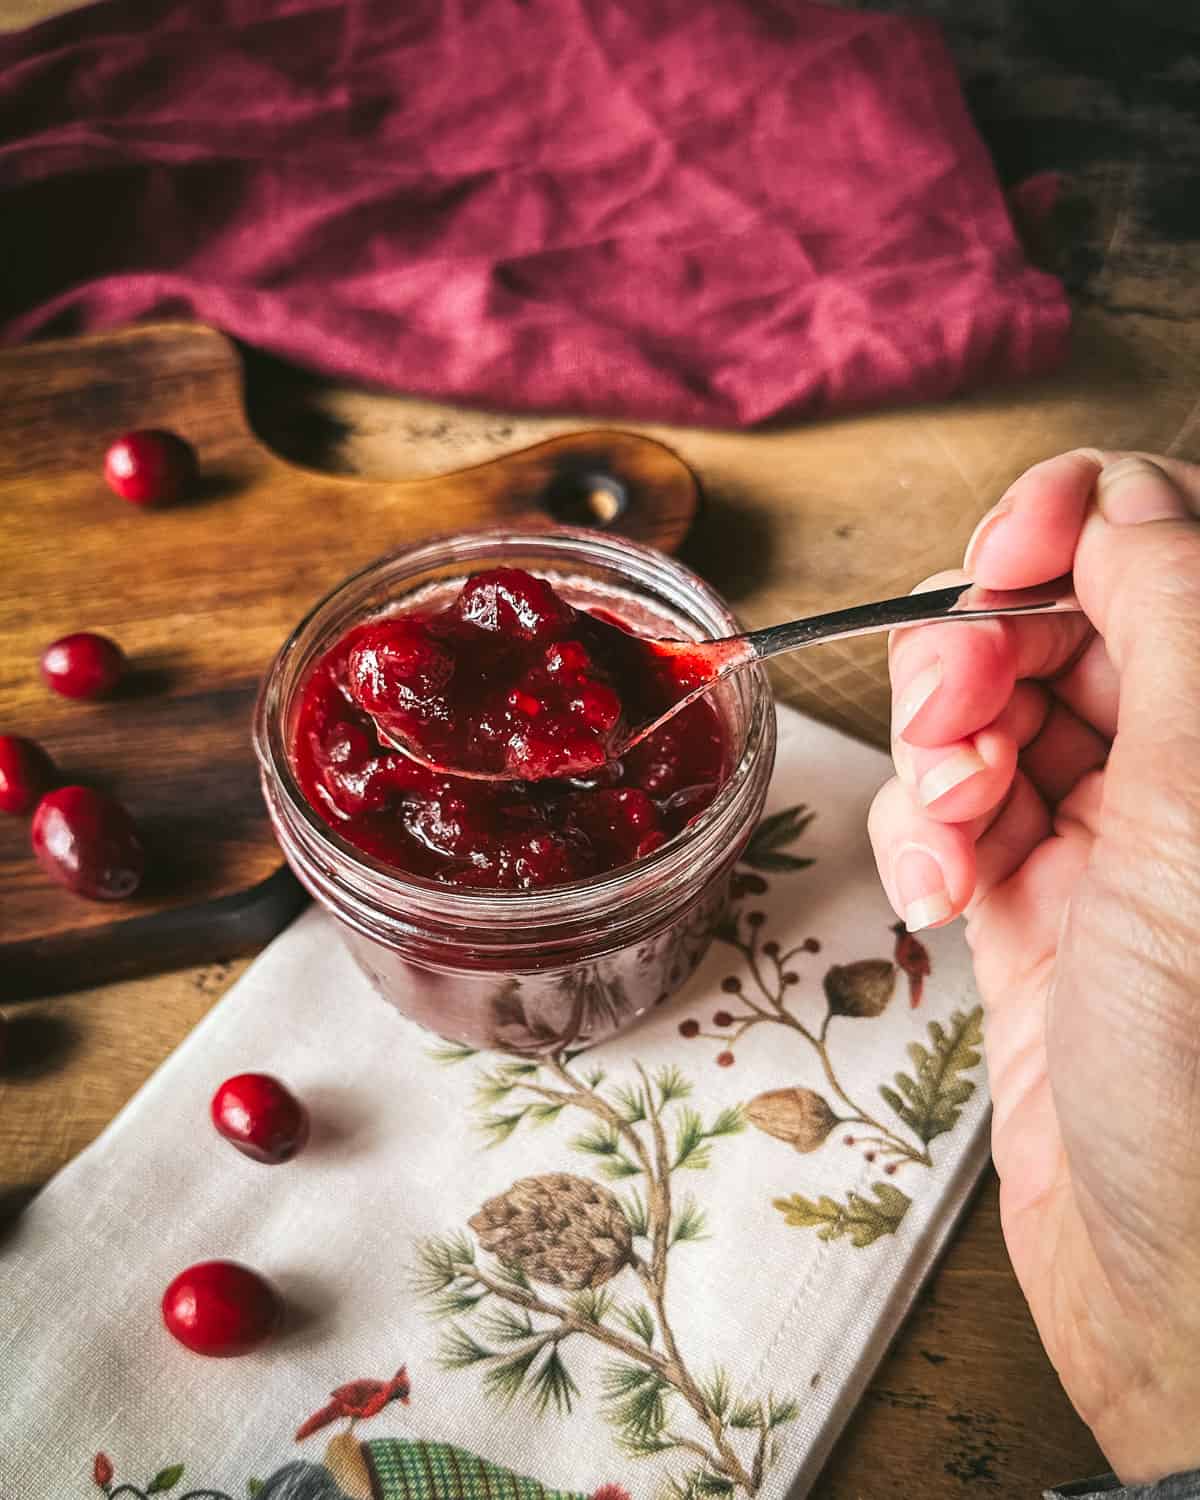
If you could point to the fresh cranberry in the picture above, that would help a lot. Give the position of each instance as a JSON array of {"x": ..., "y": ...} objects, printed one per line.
[
  {"x": 150, "y": 467},
  {"x": 258, "y": 1115},
  {"x": 724, "y": 1059},
  {"x": 221, "y": 1309},
  {"x": 83, "y": 665},
  {"x": 89, "y": 843},
  {"x": 689, "y": 1029},
  {"x": 26, "y": 772}
]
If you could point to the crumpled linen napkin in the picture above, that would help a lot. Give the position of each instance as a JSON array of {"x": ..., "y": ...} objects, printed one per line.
[
  {"x": 713, "y": 214},
  {"x": 664, "y": 1266}
]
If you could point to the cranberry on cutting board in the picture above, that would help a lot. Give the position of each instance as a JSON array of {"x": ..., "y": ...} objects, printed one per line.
[
  {"x": 221, "y": 1309},
  {"x": 150, "y": 467},
  {"x": 83, "y": 665},
  {"x": 261, "y": 1117},
  {"x": 26, "y": 773},
  {"x": 89, "y": 843}
]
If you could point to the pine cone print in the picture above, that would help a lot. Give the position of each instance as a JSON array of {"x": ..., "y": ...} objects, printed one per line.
[
  {"x": 861, "y": 989},
  {"x": 799, "y": 1116},
  {"x": 557, "y": 1228}
]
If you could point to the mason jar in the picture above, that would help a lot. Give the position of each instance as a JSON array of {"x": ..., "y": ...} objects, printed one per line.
[{"x": 542, "y": 970}]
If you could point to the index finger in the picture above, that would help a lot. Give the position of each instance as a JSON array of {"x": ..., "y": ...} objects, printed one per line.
[
  {"x": 1043, "y": 513},
  {"x": 949, "y": 681}
]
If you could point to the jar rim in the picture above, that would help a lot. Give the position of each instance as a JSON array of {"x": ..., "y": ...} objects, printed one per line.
[{"x": 473, "y": 904}]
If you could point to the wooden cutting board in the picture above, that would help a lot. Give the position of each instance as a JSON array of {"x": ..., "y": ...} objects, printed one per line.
[{"x": 200, "y": 595}]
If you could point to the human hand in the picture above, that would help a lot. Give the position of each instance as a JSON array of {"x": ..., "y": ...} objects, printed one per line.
[{"x": 1048, "y": 786}]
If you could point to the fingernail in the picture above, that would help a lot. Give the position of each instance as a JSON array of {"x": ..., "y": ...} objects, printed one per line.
[
  {"x": 915, "y": 696},
  {"x": 1133, "y": 490},
  {"x": 921, "y": 888},
  {"x": 986, "y": 523},
  {"x": 949, "y": 773}
]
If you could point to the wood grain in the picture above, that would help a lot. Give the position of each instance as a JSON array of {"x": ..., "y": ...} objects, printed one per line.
[
  {"x": 17, "y": 14},
  {"x": 201, "y": 595}
]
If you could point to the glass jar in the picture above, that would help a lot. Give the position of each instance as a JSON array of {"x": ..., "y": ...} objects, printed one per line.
[{"x": 526, "y": 971}]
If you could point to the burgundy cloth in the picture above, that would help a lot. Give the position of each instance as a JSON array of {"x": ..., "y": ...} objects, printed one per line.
[{"x": 703, "y": 211}]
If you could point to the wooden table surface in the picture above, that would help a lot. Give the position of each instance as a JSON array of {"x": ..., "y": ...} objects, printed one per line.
[{"x": 966, "y": 1402}]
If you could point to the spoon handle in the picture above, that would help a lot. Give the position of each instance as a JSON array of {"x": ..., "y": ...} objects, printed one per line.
[{"x": 962, "y": 601}]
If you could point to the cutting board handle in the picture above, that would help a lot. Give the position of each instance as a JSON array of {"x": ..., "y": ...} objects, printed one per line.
[{"x": 609, "y": 480}]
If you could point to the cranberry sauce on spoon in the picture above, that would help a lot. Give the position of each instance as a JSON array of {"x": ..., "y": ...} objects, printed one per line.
[
  {"x": 508, "y": 678},
  {"x": 510, "y": 681}
]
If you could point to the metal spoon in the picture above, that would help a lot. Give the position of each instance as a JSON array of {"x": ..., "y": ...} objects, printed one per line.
[{"x": 721, "y": 658}]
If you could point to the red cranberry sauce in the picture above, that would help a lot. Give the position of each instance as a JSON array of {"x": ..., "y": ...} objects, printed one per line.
[
  {"x": 508, "y": 676},
  {"x": 509, "y": 679}
]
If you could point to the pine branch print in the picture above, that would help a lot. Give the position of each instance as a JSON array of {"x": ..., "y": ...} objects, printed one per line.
[{"x": 560, "y": 1258}]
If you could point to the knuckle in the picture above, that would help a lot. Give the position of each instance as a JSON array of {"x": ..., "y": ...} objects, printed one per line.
[{"x": 1131, "y": 465}]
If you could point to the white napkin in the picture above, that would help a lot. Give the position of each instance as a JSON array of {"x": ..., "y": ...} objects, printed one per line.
[{"x": 787, "y": 1270}]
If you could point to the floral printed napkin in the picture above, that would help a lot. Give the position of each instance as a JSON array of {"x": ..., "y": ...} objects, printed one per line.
[{"x": 666, "y": 1266}]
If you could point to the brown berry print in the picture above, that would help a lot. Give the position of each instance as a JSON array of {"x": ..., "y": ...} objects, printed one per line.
[
  {"x": 861, "y": 989},
  {"x": 801, "y": 1117}
]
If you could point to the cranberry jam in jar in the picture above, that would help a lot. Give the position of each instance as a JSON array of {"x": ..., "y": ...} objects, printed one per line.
[{"x": 529, "y": 914}]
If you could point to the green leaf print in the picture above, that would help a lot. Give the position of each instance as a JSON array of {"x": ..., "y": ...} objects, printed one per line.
[
  {"x": 165, "y": 1479},
  {"x": 931, "y": 1102},
  {"x": 863, "y": 1221},
  {"x": 767, "y": 849}
]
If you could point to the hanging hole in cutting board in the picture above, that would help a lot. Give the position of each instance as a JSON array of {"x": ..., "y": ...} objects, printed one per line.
[{"x": 586, "y": 499}]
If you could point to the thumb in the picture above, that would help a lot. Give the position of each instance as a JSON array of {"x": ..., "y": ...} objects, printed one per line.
[{"x": 1137, "y": 575}]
